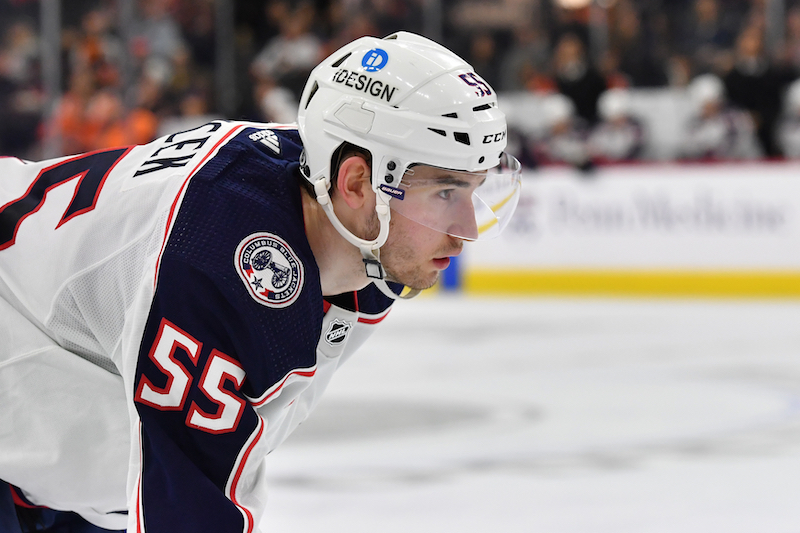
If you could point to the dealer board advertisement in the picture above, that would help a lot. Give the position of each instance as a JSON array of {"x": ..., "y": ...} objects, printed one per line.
[{"x": 704, "y": 229}]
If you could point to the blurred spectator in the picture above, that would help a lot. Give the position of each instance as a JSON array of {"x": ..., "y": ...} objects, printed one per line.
[
  {"x": 705, "y": 35},
  {"x": 679, "y": 71},
  {"x": 69, "y": 122},
  {"x": 157, "y": 41},
  {"x": 483, "y": 56},
  {"x": 20, "y": 98},
  {"x": 576, "y": 78},
  {"x": 395, "y": 15},
  {"x": 97, "y": 48},
  {"x": 564, "y": 139},
  {"x": 20, "y": 53},
  {"x": 193, "y": 112},
  {"x": 788, "y": 132},
  {"x": 88, "y": 119},
  {"x": 619, "y": 136},
  {"x": 288, "y": 58},
  {"x": 196, "y": 19},
  {"x": 263, "y": 18},
  {"x": 717, "y": 132},
  {"x": 105, "y": 116},
  {"x": 535, "y": 46},
  {"x": 275, "y": 103},
  {"x": 756, "y": 85},
  {"x": 633, "y": 47},
  {"x": 790, "y": 53},
  {"x": 526, "y": 60},
  {"x": 348, "y": 24}
]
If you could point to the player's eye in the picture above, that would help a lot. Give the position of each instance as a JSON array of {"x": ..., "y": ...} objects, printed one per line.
[{"x": 445, "y": 194}]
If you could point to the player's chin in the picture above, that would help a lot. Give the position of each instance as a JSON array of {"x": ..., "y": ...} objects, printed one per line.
[{"x": 419, "y": 280}]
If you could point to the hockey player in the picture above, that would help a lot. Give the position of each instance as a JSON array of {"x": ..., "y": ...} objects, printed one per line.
[
  {"x": 620, "y": 135},
  {"x": 170, "y": 312},
  {"x": 788, "y": 131},
  {"x": 716, "y": 131}
]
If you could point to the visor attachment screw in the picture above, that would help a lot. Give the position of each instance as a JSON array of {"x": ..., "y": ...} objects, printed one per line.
[
  {"x": 391, "y": 165},
  {"x": 388, "y": 178}
]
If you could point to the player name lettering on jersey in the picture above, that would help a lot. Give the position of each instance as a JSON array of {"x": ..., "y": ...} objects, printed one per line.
[{"x": 178, "y": 150}]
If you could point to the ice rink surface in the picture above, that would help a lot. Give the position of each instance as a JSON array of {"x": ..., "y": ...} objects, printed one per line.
[{"x": 555, "y": 416}]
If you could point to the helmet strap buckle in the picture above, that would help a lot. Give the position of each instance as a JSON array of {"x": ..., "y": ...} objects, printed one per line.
[{"x": 373, "y": 268}]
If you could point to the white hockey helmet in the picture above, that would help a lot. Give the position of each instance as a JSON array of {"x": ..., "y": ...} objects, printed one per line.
[
  {"x": 556, "y": 109},
  {"x": 614, "y": 104},
  {"x": 407, "y": 100},
  {"x": 706, "y": 89},
  {"x": 791, "y": 99}
]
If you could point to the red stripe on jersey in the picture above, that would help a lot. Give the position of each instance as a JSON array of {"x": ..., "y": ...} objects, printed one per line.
[
  {"x": 139, "y": 483},
  {"x": 180, "y": 193},
  {"x": 138, "y": 506},
  {"x": 301, "y": 373},
  {"x": 20, "y": 499},
  {"x": 376, "y": 320},
  {"x": 238, "y": 475}
]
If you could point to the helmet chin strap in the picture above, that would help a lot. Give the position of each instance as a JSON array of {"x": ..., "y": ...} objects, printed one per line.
[{"x": 370, "y": 250}]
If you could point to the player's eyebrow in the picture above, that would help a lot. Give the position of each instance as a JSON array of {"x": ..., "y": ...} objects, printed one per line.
[
  {"x": 453, "y": 181},
  {"x": 456, "y": 181}
]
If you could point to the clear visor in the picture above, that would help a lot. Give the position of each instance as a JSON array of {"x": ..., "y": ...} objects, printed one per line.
[{"x": 467, "y": 205}]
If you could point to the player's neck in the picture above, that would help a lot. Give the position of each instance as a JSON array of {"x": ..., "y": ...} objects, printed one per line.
[{"x": 340, "y": 266}]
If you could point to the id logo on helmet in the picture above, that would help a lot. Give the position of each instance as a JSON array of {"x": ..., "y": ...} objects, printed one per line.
[
  {"x": 374, "y": 60},
  {"x": 269, "y": 269}
]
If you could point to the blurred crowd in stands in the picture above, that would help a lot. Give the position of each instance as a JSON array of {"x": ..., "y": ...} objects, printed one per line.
[{"x": 125, "y": 85}]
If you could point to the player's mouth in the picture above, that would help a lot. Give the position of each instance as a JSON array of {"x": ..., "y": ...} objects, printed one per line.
[
  {"x": 440, "y": 263},
  {"x": 443, "y": 262}
]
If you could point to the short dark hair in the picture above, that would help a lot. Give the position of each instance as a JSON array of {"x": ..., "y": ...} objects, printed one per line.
[{"x": 344, "y": 151}]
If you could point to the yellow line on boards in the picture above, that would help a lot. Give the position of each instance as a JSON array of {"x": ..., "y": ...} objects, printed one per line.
[{"x": 756, "y": 284}]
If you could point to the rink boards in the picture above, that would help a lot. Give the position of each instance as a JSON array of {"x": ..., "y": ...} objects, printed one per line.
[{"x": 725, "y": 230}]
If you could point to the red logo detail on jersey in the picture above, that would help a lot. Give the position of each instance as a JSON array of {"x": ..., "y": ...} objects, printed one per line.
[{"x": 270, "y": 269}]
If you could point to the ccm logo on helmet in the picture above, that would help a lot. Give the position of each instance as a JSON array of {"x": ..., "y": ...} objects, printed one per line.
[
  {"x": 494, "y": 138},
  {"x": 364, "y": 83}
]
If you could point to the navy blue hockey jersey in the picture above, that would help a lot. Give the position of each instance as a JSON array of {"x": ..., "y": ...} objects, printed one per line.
[{"x": 163, "y": 327}]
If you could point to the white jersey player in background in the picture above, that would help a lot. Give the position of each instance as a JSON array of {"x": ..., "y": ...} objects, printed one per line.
[{"x": 169, "y": 313}]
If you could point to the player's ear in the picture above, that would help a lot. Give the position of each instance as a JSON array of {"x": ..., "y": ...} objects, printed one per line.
[{"x": 353, "y": 183}]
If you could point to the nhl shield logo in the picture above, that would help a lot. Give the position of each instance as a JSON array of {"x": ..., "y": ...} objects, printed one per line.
[
  {"x": 337, "y": 331},
  {"x": 269, "y": 269}
]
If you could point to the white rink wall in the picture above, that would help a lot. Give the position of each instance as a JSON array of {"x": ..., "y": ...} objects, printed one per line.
[{"x": 726, "y": 229}]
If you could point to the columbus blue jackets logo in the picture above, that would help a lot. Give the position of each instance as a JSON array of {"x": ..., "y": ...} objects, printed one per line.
[{"x": 269, "y": 269}]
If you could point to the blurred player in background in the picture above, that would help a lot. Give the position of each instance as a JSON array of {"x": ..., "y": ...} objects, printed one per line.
[
  {"x": 717, "y": 131},
  {"x": 788, "y": 131},
  {"x": 170, "y": 312},
  {"x": 564, "y": 139},
  {"x": 619, "y": 136}
]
